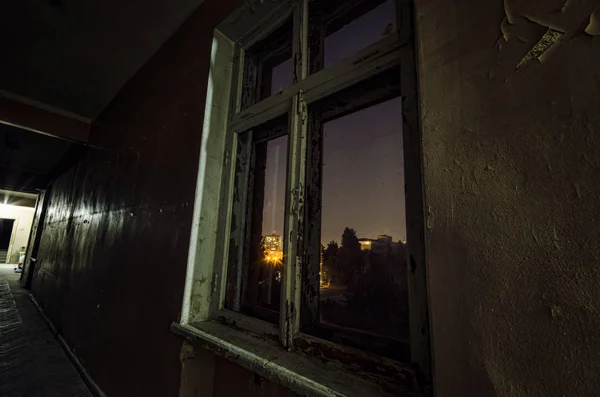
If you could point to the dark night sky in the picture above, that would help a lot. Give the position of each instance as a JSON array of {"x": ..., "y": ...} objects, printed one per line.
[{"x": 363, "y": 173}]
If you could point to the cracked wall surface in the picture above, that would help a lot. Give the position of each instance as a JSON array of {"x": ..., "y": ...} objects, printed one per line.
[{"x": 511, "y": 180}]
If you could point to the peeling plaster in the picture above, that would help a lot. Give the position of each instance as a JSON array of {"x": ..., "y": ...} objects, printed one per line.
[
  {"x": 541, "y": 25},
  {"x": 547, "y": 41},
  {"x": 528, "y": 228}
]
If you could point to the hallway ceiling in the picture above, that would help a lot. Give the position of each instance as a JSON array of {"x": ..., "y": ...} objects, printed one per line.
[
  {"x": 17, "y": 198},
  {"x": 28, "y": 159},
  {"x": 74, "y": 56}
]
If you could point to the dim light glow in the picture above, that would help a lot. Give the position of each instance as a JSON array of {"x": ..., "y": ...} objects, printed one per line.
[{"x": 11, "y": 206}]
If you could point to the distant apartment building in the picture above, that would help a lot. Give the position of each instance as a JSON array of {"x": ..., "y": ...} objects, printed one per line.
[
  {"x": 273, "y": 248},
  {"x": 272, "y": 242},
  {"x": 383, "y": 244}
]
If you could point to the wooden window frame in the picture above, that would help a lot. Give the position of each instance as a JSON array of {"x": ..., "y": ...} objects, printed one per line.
[
  {"x": 261, "y": 58},
  {"x": 207, "y": 301}
]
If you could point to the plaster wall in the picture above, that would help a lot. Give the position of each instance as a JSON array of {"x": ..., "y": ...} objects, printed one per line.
[{"x": 511, "y": 175}]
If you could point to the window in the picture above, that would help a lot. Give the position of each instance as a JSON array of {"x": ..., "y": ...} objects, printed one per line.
[
  {"x": 308, "y": 215},
  {"x": 257, "y": 236},
  {"x": 268, "y": 66},
  {"x": 357, "y": 217},
  {"x": 340, "y": 28}
]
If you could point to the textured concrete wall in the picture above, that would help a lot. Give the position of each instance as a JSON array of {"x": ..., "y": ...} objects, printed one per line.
[
  {"x": 512, "y": 190},
  {"x": 23, "y": 217}
]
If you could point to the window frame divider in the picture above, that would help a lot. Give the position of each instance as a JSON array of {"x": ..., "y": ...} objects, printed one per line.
[
  {"x": 220, "y": 267},
  {"x": 353, "y": 69},
  {"x": 293, "y": 236}
]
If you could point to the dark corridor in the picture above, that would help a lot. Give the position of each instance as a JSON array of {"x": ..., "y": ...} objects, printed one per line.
[{"x": 6, "y": 227}]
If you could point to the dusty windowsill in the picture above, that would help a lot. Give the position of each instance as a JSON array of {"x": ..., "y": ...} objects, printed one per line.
[{"x": 303, "y": 374}]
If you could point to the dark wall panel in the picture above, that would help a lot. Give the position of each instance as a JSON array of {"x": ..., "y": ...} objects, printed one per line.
[{"x": 113, "y": 254}]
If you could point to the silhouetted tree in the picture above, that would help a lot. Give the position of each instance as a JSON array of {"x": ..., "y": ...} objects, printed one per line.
[
  {"x": 349, "y": 256},
  {"x": 330, "y": 262},
  {"x": 380, "y": 295},
  {"x": 376, "y": 297},
  {"x": 331, "y": 250}
]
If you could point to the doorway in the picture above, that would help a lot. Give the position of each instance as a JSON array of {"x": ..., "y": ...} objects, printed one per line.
[{"x": 6, "y": 229}]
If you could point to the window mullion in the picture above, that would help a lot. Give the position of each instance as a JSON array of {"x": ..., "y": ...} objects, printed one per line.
[
  {"x": 233, "y": 252},
  {"x": 300, "y": 43},
  {"x": 228, "y": 185},
  {"x": 237, "y": 83},
  {"x": 294, "y": 212},
  {"x": 354, "y": 69},
  {"x": 312, "y": 221}
]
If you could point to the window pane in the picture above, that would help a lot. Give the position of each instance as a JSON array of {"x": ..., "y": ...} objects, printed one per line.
[
  {"x": 363, "y": 222},
  {"x": 354, "y": 30},
  {"x": 263, "y": 292},
  {"x": 277, "y": 78},
  {"x": 268, "y": 66}
]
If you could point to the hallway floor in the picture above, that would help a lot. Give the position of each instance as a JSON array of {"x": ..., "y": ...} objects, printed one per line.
[{"x": 32, "y": 363}]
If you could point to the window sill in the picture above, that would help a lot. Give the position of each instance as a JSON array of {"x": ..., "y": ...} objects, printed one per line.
[{"x": 307, "y": 375}]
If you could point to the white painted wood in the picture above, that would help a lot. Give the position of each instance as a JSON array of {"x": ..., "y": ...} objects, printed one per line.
[
  {"x": 294, "y": 212},
  {"x": 200, "y": 278}
]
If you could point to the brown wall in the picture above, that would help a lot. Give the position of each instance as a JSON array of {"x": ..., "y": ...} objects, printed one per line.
[
  {"x": 113, "y": 254},
  {"x": 221, "y": 377},
  {"x": 512, "y": 186}
]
